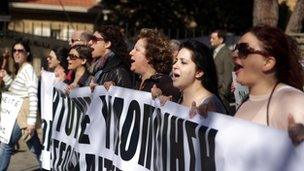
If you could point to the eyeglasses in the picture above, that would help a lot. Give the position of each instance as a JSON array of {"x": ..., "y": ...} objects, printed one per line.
[
  {"x": 18, "y": 50},
  {"x": 73, "y": 57},
  {"x": 243, "y": 50},
  {"x": 96, "y": 39}
]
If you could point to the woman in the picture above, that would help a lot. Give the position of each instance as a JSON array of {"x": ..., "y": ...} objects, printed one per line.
[
  {"x": 263, "y": 62},
  {"x": 111, "y": 62},
  {"x": 57, "y": 61},
  {"x": 24, "y": 85},
  {"x": 194, "y": 74},
  {"x": 151, "y": 58},
  {"x": 78, "y": 59}
]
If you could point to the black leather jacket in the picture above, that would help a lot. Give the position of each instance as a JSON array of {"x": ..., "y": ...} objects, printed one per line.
[{"x": 114, "y": 70}]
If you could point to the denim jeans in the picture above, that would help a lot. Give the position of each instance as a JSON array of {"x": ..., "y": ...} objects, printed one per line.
[{"x": 6, "y": 150}]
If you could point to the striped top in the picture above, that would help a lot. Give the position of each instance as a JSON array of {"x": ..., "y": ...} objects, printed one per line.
[{"x": 25, "y": 85}]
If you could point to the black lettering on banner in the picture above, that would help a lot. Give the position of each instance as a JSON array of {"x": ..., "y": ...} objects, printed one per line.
[
  {"x": 62, "y": 147},
  {"x": 78, "y": 114},
  {"x": 84, "y": 138},
  {"x": 155, "y": 131},
  {"x": 117, "y": 169},
  {"x": 190, "y": 130},
  {"x": 106, "y": 111},
  {"x": 176, "y": 142},
  {"x": 147, "y": 125},
  {"x": 46, "y": 134},
  {"x": 90, "y": 162},
  {"x": 117, "y": 109},
  {"x": 164, "y": 141},
  {"x": 100, "y": 163},
  {"x": 55, "y": 147},
  {"x": 66, "y": 158},
  {"x": 207, "y": 147},
  {"x": 61, "y": 113},
  {"x": 70, "y": 118},
  {"x": 133, "y": 113},
  {"x": 108, "y": 164}
]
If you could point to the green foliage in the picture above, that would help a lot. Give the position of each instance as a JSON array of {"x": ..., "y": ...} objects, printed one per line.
[{"x": 178, "y": 15}]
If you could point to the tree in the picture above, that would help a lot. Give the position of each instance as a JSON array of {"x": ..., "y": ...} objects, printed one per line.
[
  {"x": 265, "y": 12},
  {"x": 295, "y": 22},
  {"x": 202, "y": 16}
]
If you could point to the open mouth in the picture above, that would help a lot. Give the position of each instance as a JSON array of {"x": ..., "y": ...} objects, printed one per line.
[
  {"x": 175, "y": 76},
  {"x": 237, "y": 67},
  {"x": 132, "y": 61}
]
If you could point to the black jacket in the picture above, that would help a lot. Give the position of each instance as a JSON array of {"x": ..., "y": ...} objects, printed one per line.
[{"x": 114, "y": 70}]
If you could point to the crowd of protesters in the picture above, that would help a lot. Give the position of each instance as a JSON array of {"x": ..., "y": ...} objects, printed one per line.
[{"x": 188, "y": 73}]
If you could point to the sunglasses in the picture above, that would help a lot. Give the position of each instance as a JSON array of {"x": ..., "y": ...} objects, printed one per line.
[
  {"x": 18, "y": 50},
  {"x": 243, "y": 50},
  {"x": 96, "y": 39},
  {"x": 73, "y": 57}
]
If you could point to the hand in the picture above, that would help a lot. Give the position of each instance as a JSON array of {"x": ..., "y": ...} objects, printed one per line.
[
  {"x": 155, "y": 91},
  {"x": 71, "y": 87},
  {"x": 201, "y": 109},
  {"x": 30, "y": 129},
  {"x": 108, "y": 84},
  {"x": 163, "y": 99},
  {"x": 92, "y": 85},
  {"x": 295, "y": 131}
]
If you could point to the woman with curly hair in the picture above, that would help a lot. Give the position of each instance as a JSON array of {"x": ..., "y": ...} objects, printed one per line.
[{"x": 151, "y": 58}]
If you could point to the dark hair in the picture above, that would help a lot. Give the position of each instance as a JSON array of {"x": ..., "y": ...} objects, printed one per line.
[
  {"x": 85, "y": 52},
  {"x": 158, "y": 51},
  {"x": 61, "y": 55},
  {"x": 86, "y": 36},
  {"x": 113, "y": 34},
  {"x": 26, "y": 46},
  {"x": 287, "y": 68},
  {"x": 221, "y": 34},
  {"x": 203, "y": 59}
]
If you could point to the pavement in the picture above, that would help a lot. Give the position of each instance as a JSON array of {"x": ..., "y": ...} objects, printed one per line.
[{"x": 23, "y": 160}]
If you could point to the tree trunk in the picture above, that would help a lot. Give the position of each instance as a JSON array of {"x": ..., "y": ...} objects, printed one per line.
[
  {"x": 265, "y": 12},
  {"x": 295, "y": 22}
]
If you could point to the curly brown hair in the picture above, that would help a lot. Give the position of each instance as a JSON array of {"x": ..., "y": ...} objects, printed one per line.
[{"x": 158, "y": 51}]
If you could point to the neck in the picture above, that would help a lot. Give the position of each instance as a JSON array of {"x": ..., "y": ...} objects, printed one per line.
[
  {"x": 148, "y": 73},
  {"x": 79, "y": 72},
  {"x": 263, "y": 86},
  {"x": 195, "y": 92}
]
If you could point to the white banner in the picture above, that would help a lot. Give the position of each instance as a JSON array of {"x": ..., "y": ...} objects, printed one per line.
[
  {"x": 125, "y": 129},
  {"x": 10, "y": 107},
  {"x": 46, "y": 103}
]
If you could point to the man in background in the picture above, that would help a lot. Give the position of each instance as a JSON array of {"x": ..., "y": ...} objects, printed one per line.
[{"x": 224, "y": 65}]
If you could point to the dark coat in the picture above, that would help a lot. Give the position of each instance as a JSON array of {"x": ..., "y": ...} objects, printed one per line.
[{"x": 114, "y": 70}]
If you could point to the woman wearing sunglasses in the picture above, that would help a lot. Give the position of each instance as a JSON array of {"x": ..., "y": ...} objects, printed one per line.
[
  {"x": 78, "y": 60},
  {"x": 25, "y": 85},
  {"x": 263, "y": 62}
]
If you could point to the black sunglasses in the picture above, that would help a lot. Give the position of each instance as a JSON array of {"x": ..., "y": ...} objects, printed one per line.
[
  {"x": 243, "y": 50},
  {"x": 18, "y": 50},
  {"x": 73, "y": 57},
  {"x": 96, "y": 39}
]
